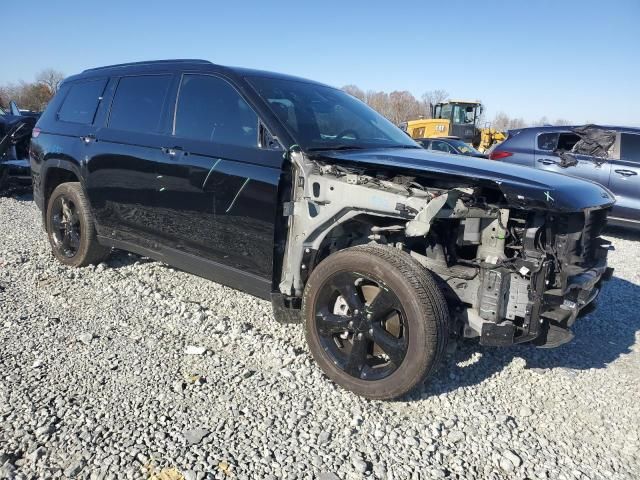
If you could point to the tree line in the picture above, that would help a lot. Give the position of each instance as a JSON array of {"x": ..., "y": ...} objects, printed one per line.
[
  {"x": 32, "y": 95},
  {"x": 400, "y": 106}
]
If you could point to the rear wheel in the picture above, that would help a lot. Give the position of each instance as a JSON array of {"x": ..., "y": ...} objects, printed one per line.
[
  {"x": 71, "y": 229},
  {"x": 375, "y": 320}
]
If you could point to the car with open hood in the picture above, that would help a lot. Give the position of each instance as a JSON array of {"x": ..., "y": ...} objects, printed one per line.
[
  {"x": 16, "y": 127},
  {"x": 298, "y": 193}
]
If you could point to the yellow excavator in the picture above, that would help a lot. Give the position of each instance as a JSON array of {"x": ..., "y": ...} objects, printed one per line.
[{"x": 456, "y": 118}]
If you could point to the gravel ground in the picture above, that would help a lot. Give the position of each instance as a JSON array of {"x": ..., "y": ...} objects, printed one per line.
[{"x": 102, "y": 375}]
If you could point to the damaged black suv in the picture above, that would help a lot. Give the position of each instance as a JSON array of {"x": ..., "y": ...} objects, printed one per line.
[{"x": 299, "y": 193}]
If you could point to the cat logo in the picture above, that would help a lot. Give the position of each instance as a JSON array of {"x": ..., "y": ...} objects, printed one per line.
[{"x": 440, "y": 128}]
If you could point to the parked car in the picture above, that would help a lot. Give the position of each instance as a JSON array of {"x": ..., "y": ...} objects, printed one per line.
[
  {"x": 451, "y": 145},
  {"x": 15, "y": 135},
  {"x": 297, "y": 192},
  {"x": 607, "y": 155}
]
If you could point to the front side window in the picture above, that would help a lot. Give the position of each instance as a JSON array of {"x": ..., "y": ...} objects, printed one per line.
[
  {"x": 210, "y": 109},
  {"x": 630, "y": 147},
  {"x": 324, "y": 118},
  {"x": 138, "y": 103},
  {"x": 81, "y": 103}
]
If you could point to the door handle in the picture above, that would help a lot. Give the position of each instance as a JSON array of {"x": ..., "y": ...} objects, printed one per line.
[
  {"x": 626, "y": 173},
  {"x": 547, "y": 161},
  {"x": 171, "y": 151},
  {"x": 88, "y": 138}
]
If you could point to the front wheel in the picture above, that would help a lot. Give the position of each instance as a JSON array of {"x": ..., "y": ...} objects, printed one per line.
[
  {"x": 70, "y": 227},
  {"x": 375, "y": 320}
]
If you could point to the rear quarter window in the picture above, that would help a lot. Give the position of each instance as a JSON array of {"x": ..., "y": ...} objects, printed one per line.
[
  {"x": 81, "y": 102},
  {"x": 547, "y": 141}
]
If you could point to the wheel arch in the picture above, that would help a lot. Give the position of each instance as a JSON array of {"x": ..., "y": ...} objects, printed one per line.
[{"x": 57, "y": 171}]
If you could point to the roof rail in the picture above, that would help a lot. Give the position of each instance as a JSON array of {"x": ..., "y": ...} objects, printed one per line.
[{"x": 149, "y": 62}]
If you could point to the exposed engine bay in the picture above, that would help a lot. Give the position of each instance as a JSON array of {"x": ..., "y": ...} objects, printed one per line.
[{"x": 510, "y": 275}]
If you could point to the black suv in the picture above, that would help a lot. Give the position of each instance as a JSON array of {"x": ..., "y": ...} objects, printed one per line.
[{"x": 299, "y": 193}]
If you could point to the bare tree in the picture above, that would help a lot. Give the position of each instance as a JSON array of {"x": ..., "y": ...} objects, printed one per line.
[
  {"x": 541, "y": 122},
  {"x": 379, "y": 101},
  {"x": 404, "y": 106},
  {"x": 562, "y": 121},
  {"x": 431, "y": 98},
  {"x": 501, "y": 121},
  {"x": 354, "y": 91},
  {"x": 51, "y": 78}
]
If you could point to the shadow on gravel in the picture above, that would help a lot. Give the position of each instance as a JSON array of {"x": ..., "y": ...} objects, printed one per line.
[
  {"x": 622, "y": 233},
  {"x": 120, "y": 259},
  {"x": 20, "y": 193},
  {"x": 601, "y": 337}
]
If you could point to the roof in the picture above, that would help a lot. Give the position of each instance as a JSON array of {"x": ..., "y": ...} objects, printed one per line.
[
  {"x": 188, "y": 64},
  {"x": 566, "y": 128},
  {"x": 149, "y": 62}
]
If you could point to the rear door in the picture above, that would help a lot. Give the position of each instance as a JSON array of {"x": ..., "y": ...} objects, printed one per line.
[
  {"x": 219, "y": 188},
  {"x": 122, "y": 158},
  {"x": 546, "y": 157},
  {"x": 625, "y": 178}
]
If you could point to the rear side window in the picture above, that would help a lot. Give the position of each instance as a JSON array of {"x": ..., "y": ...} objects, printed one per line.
[
  {"x": 210, "y": 109},
  {"x": 567, "y": 141},
  {"x": 138, "y": 103},
  {"x": 441, "y": 146},
  {"x": 557, "y": 141},
  {"x": 81, "y": 103},
  {"x": 630, "y": 147}
]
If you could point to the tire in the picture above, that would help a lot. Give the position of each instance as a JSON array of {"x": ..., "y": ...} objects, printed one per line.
[
  {"x": 396, "y": 359},
  {"x": 71, "y": 229}
]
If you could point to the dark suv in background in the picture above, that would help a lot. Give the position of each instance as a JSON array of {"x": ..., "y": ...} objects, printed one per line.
[
  {"x": 299, "y": 193},
  {"x": 609, "y": 156}
]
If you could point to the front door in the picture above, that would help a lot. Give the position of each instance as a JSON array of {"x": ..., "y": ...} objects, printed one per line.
[
  {"x": 219, "y": 187},
  {"x": 122, "y": 159}
]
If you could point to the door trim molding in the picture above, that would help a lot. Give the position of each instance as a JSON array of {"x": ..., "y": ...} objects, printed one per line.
[{"x": 202, "y": 267}]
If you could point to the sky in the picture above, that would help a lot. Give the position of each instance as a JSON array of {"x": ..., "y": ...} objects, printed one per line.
[{"x": 576, "y": 60}]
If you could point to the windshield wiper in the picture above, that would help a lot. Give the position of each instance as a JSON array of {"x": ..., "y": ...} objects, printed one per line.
[{"x": 335, "y": 147}]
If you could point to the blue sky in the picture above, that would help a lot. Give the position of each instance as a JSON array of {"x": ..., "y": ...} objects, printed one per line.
[{"x": 577, "y": 60}]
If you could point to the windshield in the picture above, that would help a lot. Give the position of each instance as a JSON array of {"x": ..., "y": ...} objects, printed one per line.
[
  {"x": 2, "y": 111},
  {"x": 324, "y": 118},
  {"x": 464, "y": 148}
]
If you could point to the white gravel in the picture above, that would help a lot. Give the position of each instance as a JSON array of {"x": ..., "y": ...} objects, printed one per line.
[{"x": 130, "y": 369}]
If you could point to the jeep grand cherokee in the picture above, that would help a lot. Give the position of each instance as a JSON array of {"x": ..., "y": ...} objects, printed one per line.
[{"x": 296, "y": 192}]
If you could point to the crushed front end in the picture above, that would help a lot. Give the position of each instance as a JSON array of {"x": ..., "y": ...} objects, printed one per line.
[
  {"x": 552, "y": 268},
  {"x": 513, "y": 266}
]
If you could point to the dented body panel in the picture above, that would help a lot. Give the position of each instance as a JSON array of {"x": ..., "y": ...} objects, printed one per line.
[{"x": 523, "y": 186}]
